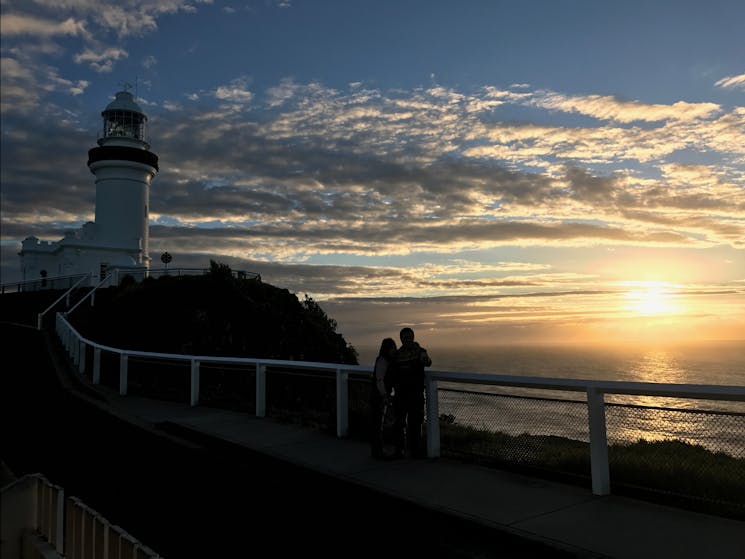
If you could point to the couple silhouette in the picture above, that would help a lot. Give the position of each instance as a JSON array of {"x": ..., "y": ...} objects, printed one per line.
[{"x": 398, "y": 386}]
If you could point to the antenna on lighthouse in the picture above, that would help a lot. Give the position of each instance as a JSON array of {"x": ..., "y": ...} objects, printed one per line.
[{"x": 126, "y": 86}]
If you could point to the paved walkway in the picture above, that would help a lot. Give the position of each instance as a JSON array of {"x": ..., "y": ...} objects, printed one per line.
[{"x": 566, "y": 517}]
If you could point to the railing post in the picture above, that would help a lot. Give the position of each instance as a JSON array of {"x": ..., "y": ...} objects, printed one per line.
[
  {"x": 194, "y": 382},
  {"x": 433, "y": 419},
  {"x": 342, "y": 403},
  {"x": 123, "y": 374},
  {"x": 260, "y": 390},
  {"x": 59, "y": 529},
  {"x": 39, "y": 320},
  {"x": 75, "y": 343},
  {"x": 599, "y": 468},
  {"x": 68, "y": 340},
  {"x": 81, "y": 359},
  {"x": 96, "y": 365}
]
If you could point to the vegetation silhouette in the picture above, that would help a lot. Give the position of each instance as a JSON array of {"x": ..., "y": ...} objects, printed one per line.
[{"x": 216, "y": 314}]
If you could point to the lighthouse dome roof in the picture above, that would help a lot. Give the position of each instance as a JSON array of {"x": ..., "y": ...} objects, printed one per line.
[{"x": 124, "y": 101}]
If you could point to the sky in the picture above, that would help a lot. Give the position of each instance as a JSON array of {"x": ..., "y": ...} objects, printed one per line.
[{"x": 487, "y": 172}]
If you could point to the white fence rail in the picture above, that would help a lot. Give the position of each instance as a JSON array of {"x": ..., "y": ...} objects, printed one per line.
[
  {"x": 39, "y": 521},
  {"x": 595, "y": 391}
]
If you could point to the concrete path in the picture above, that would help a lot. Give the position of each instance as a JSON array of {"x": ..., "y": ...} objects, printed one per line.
[{"x": 566, "y": 517}]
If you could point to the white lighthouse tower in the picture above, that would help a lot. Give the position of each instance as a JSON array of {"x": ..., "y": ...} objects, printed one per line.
[{"x": 123, "y": 166}]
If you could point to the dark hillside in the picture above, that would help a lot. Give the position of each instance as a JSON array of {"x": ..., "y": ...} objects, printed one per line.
[
  {"x": 215, "y": 314},
  {"x": 23, "y": 308}
]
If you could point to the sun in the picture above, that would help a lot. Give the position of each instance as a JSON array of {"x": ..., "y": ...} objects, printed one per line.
[{"x": 652, "y": 299}]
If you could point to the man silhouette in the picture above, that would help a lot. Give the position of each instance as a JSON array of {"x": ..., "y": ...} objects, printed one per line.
[{"x": 408, "y": 385}]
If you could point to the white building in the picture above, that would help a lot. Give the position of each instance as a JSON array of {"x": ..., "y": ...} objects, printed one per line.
[{"x": 124, "y": 166}]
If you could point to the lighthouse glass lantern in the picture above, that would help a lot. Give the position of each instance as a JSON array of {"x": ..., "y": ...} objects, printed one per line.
[{"x": 123, "y": 119}]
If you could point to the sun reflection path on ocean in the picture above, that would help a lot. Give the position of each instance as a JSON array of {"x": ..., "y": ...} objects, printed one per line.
[
  {"x": 655, "y": 418},
  {"x": 659, "y": 365}
]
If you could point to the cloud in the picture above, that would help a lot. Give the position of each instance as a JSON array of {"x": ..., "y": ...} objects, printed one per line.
[
  {"x": 24, "y": 85},
  {"x": 19, "y": 24},
  {"x": 236, "y": 91},
  {"x": 366, "y": 173},
  {"x": 36, "y": 29},
  {"x": 101, "y": 61},
  {"x": 732, "y": 82},
  {"x": 149, "y": 62},
  {"x": 133, "y": 18},
  {"x": 609, "y": 108}
]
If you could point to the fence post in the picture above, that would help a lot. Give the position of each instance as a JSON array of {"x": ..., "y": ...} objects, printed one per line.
[
  {"x": 342, "y": 403},
  {"x": 599, "y": 468},
  {"x": 96, "y": 365},
  {"x": 75, "y": 342},
  {"x": 81, "y": 359},
  {"x": 194, "y": 382},
  {"x": 39, "y": 320},
  {"x": 433, "y": 419},
  {"x": 123, "y": 374},
  {"x": 260, "y": 390},
  {"x": 59, "y": 528}
]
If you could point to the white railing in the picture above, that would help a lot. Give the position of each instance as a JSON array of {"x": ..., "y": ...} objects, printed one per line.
[
  {"x": 39, "y": 521},
  {"x": 65, "y": 295},
  {"x": 64, "y": 282},
  {"x": 140, "y": 274},
  {"x": 594, "y": 390},
  {"x": 56, "y": 282}
]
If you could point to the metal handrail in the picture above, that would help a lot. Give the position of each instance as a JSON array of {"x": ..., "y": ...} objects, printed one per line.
[
  {"x": 91, "y": 292},
  {"x": 40, "y": 316},
  {"x": 594, "y": 389},
  {"x": 49, "y": 280}
]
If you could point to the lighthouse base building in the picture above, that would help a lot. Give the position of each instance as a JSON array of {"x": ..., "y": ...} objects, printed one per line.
[{"x": 118, "y": 239}]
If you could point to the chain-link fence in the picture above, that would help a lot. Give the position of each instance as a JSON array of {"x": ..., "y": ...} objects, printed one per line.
[
  {"x": 685, "y": 456},
  {"x": 530, "y": 433},
  {"x": 680, "y": 454}
]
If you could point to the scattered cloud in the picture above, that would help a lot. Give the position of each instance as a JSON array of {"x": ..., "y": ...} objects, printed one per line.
[
  {"x": 610, "y": 108},
  {"x": 19, "y": 24},
  {"x": 236, "y": 91},
  {"x": 101, "y": 61},
  {"x": 732, "y": 82}
]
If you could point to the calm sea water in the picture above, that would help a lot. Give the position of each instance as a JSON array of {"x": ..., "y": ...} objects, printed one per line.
[
  {"x": 497, "y": 408},
  {"x": 720, "y": 363}
]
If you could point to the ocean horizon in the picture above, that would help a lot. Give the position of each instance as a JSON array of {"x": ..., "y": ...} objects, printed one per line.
[
  {"x": 505, "y": 409},
  {"x": 706, "y": 362}
]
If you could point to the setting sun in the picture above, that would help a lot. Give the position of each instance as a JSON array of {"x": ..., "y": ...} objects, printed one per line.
[{"x": 652, "y": 298}]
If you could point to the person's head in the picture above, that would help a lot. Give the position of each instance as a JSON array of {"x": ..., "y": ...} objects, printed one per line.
[
  {"x": 387, "y": 347},
  {"x": 406, "y": 335}
]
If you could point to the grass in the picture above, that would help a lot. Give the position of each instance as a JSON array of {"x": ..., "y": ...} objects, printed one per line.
[{"x": 672, "y": 471}]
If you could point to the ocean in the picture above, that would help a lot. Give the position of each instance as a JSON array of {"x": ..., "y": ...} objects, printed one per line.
[
  {"x": 516, "y": 411},
  {"x": 717, "y": 363}
]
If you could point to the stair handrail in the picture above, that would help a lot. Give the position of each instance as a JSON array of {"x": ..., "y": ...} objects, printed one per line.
[
  {"x": 40, "y": 316},
  {"x": 108, "y": 277}
]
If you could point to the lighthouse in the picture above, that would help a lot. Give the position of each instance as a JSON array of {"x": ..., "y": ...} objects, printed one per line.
[{"x": 123, "y": 166}]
